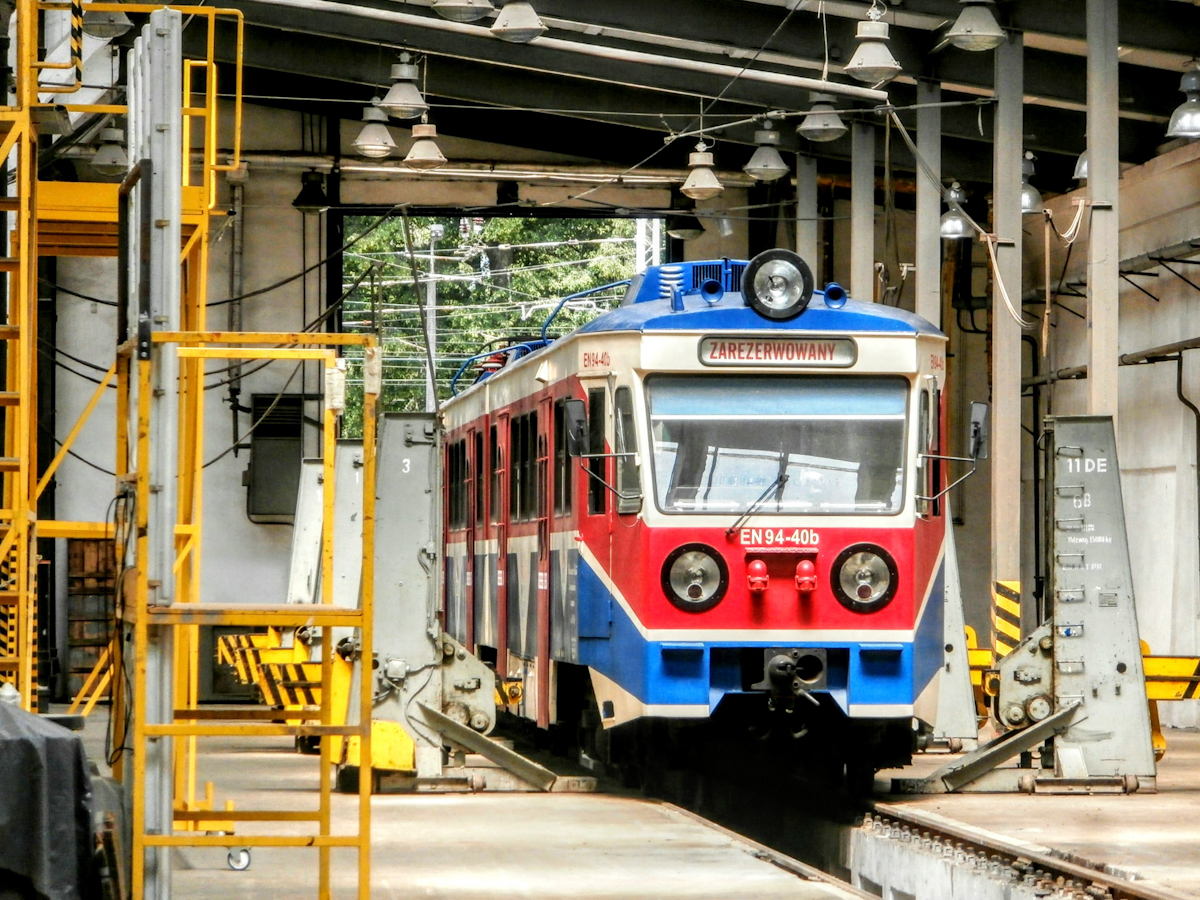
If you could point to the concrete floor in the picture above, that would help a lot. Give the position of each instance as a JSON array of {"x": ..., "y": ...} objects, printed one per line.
[
  {"x": 459, "y": 846},
  {"x": 1156, "y": 836}
]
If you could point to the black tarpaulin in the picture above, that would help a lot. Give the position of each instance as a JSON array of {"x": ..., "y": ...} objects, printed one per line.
[{"x": 45, "y": 806}]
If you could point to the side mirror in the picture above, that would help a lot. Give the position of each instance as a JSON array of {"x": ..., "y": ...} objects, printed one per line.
[
  {"x": 575, "y": 427},
  {"x": 977, "y": 437}
]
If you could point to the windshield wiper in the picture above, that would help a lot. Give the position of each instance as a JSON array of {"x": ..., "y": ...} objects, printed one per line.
[{"x": 777, "y": 486}]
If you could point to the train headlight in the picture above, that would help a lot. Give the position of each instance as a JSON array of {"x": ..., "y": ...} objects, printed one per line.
[
  {"x": 694, "y": 577},
  {"x": 864, "y": 578},
  {"x": 777, "y": 284}
]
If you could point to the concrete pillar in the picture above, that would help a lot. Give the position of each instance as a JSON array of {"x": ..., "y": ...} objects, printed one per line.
[
  {"x": 1006, "y": 343},
  {"x": 929, "y": 205},
  {"x": 862, "y": 212},
  {"x": 807, "y": 244},
  {"x": 1103, "y": 170}
]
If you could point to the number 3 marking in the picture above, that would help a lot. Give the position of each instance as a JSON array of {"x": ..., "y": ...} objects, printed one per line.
[{"x": 405, "y": 465}]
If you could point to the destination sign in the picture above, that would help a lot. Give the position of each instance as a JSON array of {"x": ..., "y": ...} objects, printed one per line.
[{"x": 773, "y": 351}]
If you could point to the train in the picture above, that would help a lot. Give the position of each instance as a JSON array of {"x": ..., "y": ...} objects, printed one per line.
[{"x": 724, "y": 493}]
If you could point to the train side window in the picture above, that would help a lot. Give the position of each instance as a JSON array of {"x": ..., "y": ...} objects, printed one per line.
[
  {"x": 531, "y": 481},
  {"x": 629, "y": 499},
  {"x": 516, "y": 469},
  {"x": 497, "y": 475},
  {"x": 597, "y": 492},
  {"x": 480, "y": 479},
  {"x": 563, "y": 470},
  {"x": 457, "y": 469}
]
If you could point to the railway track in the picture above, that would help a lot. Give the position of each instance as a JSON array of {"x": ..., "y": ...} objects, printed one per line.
[{"x": 1040, "y": 872}]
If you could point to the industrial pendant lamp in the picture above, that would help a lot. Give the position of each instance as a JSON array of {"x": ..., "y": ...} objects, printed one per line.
[
  {"x": 110, "y": 157},
  {"x": 462, "y": 10},
  {"x": 684, "y": 226},
  {"x": 1081, "y": 167},
  {"x": 311, "y": 200},
  {"x": 1185, "y": 121},
  {"x": 822, "y": 122},
  {"x": 976, "y": 27},
  {"x": 1031, "y": 198},
  {"x": 424, "y": 153},
  {"x": 955, "y": 226},
  {"x": 702, "y": 183},
  {"x": 403, "y": 99},
  {"x": 766, "y": 164},
  {"x": 872, "y": 61},
  {"x": 518, "y": 23},
  {"x": 374, "y": 140},
  {"x": 105, "y": 25}
]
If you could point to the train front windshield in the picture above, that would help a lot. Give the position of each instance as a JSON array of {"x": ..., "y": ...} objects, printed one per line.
[{"x": 792, "y": 444}]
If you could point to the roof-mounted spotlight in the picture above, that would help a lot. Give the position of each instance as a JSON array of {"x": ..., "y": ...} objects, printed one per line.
[
  {"x": 766, "y": 164},
  {"x": 462, "y": 10},
  {"x": 1081, "y": 167},
  {"x": 777, "y": 284},
  {"x": 954, "y": 225},
  {"x": 702, "y": 182},
  {"x": 311, "y": 200},
  {"x": 822, "y": 122},
  {"x": 1185, "y": 121},
  {"x": 684, "y": 226},
  {"x": 374, "y": 141},
  {"x": 403, "y": 99},
  {"x": 976, "y": 27},
  {"x": 518, "y": 23},
  {"x": 1031, "y": 197},
  {"x": 110, "y": 157},
  {"x": 424, "y": 153},
  {"x": 872, "y": 61}
]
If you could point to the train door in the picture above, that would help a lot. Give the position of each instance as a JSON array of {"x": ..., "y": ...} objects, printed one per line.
[
  {"x": 594, "y": 601},
  {"x": 500, "y": 514},
  {"x": 564, "y": 545},
  {"x": 474, "y": 492},
  {"x": 542, "y": 595},
  {"x": 488, "y": 515}
]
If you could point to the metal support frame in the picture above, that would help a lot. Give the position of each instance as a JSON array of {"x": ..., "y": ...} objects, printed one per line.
[
  {"x": 1006, "y": 346},
  {"x": 929, "y": 204},
  {"x": 150, "y": 619},
  {"x": 1103, "y": 286},
  {"x": 862, "y": 211}
]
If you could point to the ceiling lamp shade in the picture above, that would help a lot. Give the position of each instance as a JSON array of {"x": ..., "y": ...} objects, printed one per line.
[
  {"x": 105, "y": 25},
  {"x": 374, "y": 140},
  {"x": 954, "y": 226},
  {"x": 1031, "y": 198},
  {"x": 462, "y": 10},
  {"x": 1185, "y": 121},
  {"x": 518, "y": 23},
  {"x": 403, "y": 99},
  {"x": 684, "y": 226},
  {"x": 872, "y": 62},
  {"x": 822, "y": 122},
  {"x": 702, "y": 182},
  {"x": 766, "y": 164},
  {"x": 311, "y": 200},
  {"x": 1081, "y": 167},
  {"x": 110, "y": 157},
  {"x": 424, "y": 153},
  {"x": 976, "y": 27}
]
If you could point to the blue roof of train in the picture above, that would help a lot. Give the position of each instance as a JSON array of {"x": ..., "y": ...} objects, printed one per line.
[{"x": 648, "y": 306}]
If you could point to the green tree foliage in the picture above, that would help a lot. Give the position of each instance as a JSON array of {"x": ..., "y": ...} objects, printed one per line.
[{"x": 497, "y": 281}]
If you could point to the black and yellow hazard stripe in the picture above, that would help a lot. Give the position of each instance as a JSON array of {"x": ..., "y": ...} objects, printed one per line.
[
  {"x": 1006, "y": 616},
  {"x": 77, "y": 40}
]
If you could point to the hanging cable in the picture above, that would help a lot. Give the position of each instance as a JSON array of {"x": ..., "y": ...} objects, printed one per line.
[{"x": 261, "y": 418}]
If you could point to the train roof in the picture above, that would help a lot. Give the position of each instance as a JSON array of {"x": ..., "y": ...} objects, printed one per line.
[{"x": 668, "y": 298}]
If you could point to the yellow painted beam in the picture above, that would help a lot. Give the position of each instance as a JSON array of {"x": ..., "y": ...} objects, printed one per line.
[{"x": 58, "y": 528}]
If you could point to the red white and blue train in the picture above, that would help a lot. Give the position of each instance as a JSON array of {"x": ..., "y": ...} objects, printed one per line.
[{"x": 718, "y": 489}]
